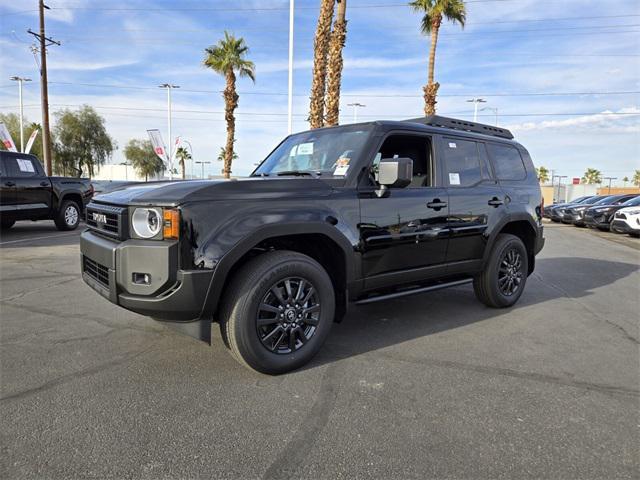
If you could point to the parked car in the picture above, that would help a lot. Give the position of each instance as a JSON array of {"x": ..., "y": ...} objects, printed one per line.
[
  {"x": 26, "y": 193},
  {"x": 106, "y": 186},
  {"x": 361, "y": 212},
  {"x": 627, "y": 219},
  {"x": 556, "y": 211},
  {"x": 548, "y": 209},
  {"x": 574, "y": 214},
  {"x": 600, "y": 216}
]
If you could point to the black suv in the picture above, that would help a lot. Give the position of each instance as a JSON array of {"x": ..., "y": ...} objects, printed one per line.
[{"x": 356, "y": 213}]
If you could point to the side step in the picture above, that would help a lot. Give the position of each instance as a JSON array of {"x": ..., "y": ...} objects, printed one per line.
[{"x": 413, "y": 291}]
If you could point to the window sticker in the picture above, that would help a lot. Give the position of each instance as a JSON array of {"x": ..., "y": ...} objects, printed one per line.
[
  {"x": 25, "y": 165},
  {"x": 452, "y": 145},
  {"x": 342, "y": 167},
  {"x": 454, "y": 179},
  {"x": 305, "y": 149}
]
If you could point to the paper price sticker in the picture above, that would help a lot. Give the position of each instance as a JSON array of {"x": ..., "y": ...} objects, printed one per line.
[
  {"x": 454, "y": 179},
  {"x": 342, "y": 167}
]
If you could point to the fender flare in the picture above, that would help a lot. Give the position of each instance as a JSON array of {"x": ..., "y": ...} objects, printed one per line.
[
  {"x": 510, "y": 218},
  {"x": 225, "y": 265}
]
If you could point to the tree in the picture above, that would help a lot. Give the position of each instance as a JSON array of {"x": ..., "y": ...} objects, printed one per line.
[
  {"x": 320, "y": 54},
  {"x": 143, "y": 159},
  {"x": 81, "y": 141},
  {"x": 12, "y": 122},
  {"x": 592, "y": 176},
  {"x": 543, "y": 174},
  {"x": 183, "y": 156},
  {"x": 223, "y": 154},
  {"x": 228, "y": 58},
  {"x": 334, "y": 73},
  {"x": 636, "y": 178},
  {"x": 434, "y": 12},
  {"x": 625, "y": 180}
]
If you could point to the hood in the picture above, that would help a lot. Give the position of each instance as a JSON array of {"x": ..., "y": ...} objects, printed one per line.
[{"x": 179, "y": 192}]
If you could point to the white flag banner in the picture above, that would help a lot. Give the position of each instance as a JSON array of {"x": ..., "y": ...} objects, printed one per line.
[
  {"x": 176, "y": 146},
  {"x": 32, "y": 139},
  {"x": 158, "y": 145},
  {"x": 5, "y": 136}
]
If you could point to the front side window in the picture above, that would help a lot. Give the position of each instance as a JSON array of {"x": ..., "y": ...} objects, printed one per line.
[
  {"x": 327, "y": 153},
  {"x": 462, "y": 160},
  {"x": 507, "y": 162},
  {"x": 415, "y": 147}
]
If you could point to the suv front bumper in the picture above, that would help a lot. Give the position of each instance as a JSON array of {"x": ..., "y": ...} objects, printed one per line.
[{"x": 171, "y": 294}]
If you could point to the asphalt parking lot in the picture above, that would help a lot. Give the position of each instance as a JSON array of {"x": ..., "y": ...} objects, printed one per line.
[{"x": 430, "y": 386}]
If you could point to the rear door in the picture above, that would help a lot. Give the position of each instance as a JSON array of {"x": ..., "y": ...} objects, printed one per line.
[
  {"x": 476, "y": 201},
  {"x": 32, "y": 186}
]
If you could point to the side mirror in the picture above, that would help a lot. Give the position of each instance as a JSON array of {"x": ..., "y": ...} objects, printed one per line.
[{"x": 395, "y": 173}]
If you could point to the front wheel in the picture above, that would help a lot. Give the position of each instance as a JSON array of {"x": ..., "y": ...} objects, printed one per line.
[
  {"x": 502, "y": 282},
  {"x": 69, "y": 216},
  {"x": 278, "y": 311}
]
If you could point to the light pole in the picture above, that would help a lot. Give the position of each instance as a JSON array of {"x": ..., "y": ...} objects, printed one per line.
[
  {"x": 560, "y": 177},
  {"x": 202, "y": 163},
  {"x": 475, "y": 102},
  {"x": 20, "y": 81},
  {"x": 169, "y": 87},
  {"x": 494, "y": 110},
  {"x": 290, "y": 99},
  {"x": 355, "y": 106},
  {"x": 610, "y": 178}
]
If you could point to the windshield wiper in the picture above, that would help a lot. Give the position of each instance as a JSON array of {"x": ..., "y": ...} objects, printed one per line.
[{"x": 298, "y": 173}]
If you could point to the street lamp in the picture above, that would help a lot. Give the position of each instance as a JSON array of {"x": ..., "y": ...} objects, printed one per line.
[
  {"x": 290, "y": 96},
  {"x": 20, "y": 81},
  {"x": 494, "y": 110},
  {"x": 202, "y": 163},
  {"x": 475, "y": 102},
  {"x": 610, "y": 178},
  {"x": 169, "y": 87},
  {"x": 355, "y": 106}
]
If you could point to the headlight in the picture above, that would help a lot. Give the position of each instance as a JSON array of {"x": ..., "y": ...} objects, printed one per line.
[
  {"x": 633, "y": 212},
  {"x": 147, "y": 222}
]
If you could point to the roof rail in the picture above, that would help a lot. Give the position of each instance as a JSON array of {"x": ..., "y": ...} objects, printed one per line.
[{"x": 456, "y": 124}]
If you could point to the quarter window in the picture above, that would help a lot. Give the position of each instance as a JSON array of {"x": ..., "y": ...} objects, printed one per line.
[
  {"x": 463, "y": 162},
  {"x": 507, "y": 162}
]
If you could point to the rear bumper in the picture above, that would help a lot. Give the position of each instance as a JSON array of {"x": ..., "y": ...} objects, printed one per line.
[{"x": 171, "y": 295}]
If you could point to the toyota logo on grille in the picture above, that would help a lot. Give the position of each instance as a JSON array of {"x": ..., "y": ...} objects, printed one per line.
[{"x": 99, "y": 217}]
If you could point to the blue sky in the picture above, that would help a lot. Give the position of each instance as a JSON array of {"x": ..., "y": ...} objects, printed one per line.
[{"x": 522, "y": 56}]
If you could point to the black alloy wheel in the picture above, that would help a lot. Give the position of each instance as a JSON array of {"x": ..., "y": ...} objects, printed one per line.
[
  {"x": 288, "y": 315},
  {"x": 510, "y": 272}
]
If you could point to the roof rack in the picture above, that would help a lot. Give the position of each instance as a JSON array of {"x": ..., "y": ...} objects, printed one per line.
[{"x": 456, "y": 124}]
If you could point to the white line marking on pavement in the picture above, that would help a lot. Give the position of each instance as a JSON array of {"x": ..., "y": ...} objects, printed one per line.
[{"x": 38, "y": 238}]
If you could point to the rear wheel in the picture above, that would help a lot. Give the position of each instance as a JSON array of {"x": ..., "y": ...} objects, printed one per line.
[
  {"x": 502, "y": 282},
  {"x": 6, "y": 224},
  {"x": 69, "y": 216},
  {"x": 277, "y": 312}
]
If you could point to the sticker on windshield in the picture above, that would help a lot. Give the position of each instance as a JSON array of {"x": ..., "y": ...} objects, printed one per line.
[
  {"x": 25, "y": 165},
  {"x": 452, "y": 145},
  {"x": 342, "y": 167},
  {"x": 454, "y": 179},
  {"x": 305, "y": 149}
]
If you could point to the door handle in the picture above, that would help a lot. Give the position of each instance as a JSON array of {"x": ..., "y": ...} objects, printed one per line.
[
  {"x": 44, "y": 184},
  {"x": 436, "y": 204},
  {"x": 495, "y": 202},
  {"x": 10, "y": 184}
]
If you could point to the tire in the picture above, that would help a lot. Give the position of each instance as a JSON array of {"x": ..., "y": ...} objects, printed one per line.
[
  {"x": 6, "y": 224},
  {"x": 507, "y": 249},
  {"x": 68, "y": 216},
  {"x": 252, "y": 296}
]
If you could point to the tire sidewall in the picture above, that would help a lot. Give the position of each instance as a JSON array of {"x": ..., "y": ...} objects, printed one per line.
[
  {"x": 62, "y": 218},
  {"x": 254, "y": 353},
  {"x": 505, "y": 245}
]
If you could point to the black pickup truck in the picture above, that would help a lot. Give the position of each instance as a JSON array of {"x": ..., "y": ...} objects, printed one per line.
[
  {"x": 26, "y": 193},
  {"x": 357, "y": 213}
]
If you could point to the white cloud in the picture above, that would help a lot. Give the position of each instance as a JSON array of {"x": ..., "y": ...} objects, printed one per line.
[{"x": 623, "y": 120}]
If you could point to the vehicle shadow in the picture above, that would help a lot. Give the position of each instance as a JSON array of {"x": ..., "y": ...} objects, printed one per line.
[
  {"x": 379, "y": 325},
  {"x": 36, "y": 234}
]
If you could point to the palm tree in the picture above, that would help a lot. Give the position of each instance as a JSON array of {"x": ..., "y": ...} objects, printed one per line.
[
  {"x": 223, "y": 154},
  {"x": 320, "y": 52},
  {"x": 543, "y": 174},
  {"x": 636, "y": 178},
  {"x": 228, "y": 58},
  {"x": 592, "y": 176},
  {"x": 334, "y": 73},
  {"x": 434, "y": 11},
  {"x": 625, "y": 180},
  {"x": 183, "y": 156}
]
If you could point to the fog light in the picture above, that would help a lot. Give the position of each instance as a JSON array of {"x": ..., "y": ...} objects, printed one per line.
[{"x": 141, "y": 278}]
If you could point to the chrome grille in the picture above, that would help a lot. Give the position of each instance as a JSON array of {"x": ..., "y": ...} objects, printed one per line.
[{"x": 108, "y": 220}]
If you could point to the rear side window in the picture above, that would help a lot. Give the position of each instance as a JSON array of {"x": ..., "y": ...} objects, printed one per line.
[
  {"x": 19, "y": 167},
  {"x": 462, "y": 160},
  {"x": 507, "y": 162}
]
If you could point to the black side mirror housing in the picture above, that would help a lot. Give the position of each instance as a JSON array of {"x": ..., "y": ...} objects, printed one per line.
[{"x": 395, "y": 172}]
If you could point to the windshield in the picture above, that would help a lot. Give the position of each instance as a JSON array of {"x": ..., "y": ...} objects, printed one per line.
[
  {"x": 634, "y": 202},
  {"x": 593, "y": 200},
  {"x": 328, "y": 153}
]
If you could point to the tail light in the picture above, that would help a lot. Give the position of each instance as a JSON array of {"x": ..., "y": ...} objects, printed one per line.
[{"x": 171, "y": 230}]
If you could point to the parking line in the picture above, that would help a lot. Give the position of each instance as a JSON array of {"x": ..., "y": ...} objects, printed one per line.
[{"x": 38, "y": 238}]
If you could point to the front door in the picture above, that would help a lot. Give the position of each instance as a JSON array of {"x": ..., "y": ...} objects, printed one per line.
[
  {"x": 476, "y": 201},
  {"x": 33, "y": 188},
  {"x": 403, "y": 234}
]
